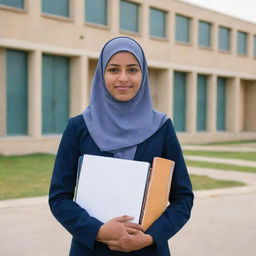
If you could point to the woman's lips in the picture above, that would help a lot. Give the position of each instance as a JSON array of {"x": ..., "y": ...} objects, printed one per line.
[{"x": 123, "y": 88}]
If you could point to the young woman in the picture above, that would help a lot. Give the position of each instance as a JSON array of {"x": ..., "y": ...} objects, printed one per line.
[{"x": 119, "y": 122}]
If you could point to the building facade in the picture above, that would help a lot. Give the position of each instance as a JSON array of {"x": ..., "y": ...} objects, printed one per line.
[{"x": 202, "y": 67}]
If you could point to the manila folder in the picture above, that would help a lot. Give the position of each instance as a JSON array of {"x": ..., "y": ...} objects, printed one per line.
[
  {"x": 158, "y": 190},
  {"x": 110, "y": 187}
]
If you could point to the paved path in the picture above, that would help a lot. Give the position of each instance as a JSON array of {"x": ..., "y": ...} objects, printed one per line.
[
  {"x": 233, "y": 148},
  {"x": 222, "y": 224}
]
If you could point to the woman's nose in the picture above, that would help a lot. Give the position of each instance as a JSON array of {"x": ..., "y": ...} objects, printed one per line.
[{"x": 123, "y": 76}]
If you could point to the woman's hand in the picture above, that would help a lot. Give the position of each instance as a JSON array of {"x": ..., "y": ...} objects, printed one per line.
[
  {"x": 131, "y": 242},
  {"x": 116, "y": 228},
  {"x": 121, "y": 235}
]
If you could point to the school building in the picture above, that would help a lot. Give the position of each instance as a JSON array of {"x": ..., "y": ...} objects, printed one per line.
[{"x": 202, "y": 67}]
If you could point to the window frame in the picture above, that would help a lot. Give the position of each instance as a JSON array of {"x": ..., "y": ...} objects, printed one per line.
[
  {"x": 166, "y": 27},
  {"x": 229, "y": 50},
  {"x": 139, "y": 19},
  {"x": 189, "y": 42},
  {"x": 210, "y": 35},
  {"x": 15, "y": 9},
  {"x": 246, "y": 34}
]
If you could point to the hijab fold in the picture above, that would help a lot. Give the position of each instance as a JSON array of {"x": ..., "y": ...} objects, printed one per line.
[{"x": 119, "y": 126}]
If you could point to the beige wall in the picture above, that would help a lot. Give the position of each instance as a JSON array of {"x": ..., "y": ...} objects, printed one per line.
[{"x": 38, "y": 33}]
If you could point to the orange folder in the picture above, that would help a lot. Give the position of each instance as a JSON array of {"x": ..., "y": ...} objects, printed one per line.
[{"x": 156, "y": 199}]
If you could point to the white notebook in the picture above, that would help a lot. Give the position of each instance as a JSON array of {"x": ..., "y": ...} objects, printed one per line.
[{"x": 110, "y": 187}]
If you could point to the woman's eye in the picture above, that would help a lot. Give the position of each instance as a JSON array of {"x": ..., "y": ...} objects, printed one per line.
[
  {"x": 112, "y": 70},
  {"x": 134, "y": 70}
]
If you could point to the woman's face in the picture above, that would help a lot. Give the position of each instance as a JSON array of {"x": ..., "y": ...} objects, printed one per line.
[{"x": 123, "y": 76}]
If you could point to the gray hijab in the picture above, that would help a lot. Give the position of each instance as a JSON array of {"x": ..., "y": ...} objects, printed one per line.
[{"x": 119, "y": 126}]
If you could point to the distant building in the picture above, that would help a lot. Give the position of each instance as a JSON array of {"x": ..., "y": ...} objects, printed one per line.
[{"x": 202, "y": 67}]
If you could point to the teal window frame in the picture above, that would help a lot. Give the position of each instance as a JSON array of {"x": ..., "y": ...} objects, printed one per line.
[
  {"x": 202, "y": 88},
  {"x": 182, "y": 28},
  {"x": 179, "y": 101},
  {"x": 221, "y": 103},
  {"x": 55, "y": 93},
  {"x": 96, "y": 12},
  {"x": 204, "y": 36},
  {"x": 242, "y": 41},
  {"x": 16, "y": 93},
  {"x": 13, "y": 3},
  {"x": 157, "y": 23},
  {"x": 129, "y": 16},
  {"x": 224, "y": 39},
  {"x": 59, "y": 8}
]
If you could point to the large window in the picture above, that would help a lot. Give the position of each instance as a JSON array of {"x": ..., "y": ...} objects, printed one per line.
[
  {"x": 129, "y": 16},
  {"x": 17, "y": 92},
  {"x": 13, "y": 3},
  {"x": 221, "y": 103},
  {"x": 56, "y": 7},
  {"x": 201, "y": 103},
  {"x": 204, "y": 38},
  {"x": 55, "y": 94},
  {"x": 224, "y": 39},
  {"x": 182, "y": 33},
  {"x": 179, "y": 101},
  {"x": 157, "y": 23},
  {"x": 96, "y": 11},
  {"x": 241, "y": 43}
]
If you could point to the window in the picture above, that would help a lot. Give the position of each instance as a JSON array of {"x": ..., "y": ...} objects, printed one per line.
[
  {"x": 157, "y": 23},
  {"x": 96, "y": 11},
  {"x": 57, "y": 7},
  {"x": 182, "y": 28},
  {"x": 204, "y": 34},
  {"x": 179, "y": 101},
  {"x": 201, "y": 102},
  {"x": 221, "y": 103},
  {"x": 224, "y": 39},
  {"x": 17, "y": 92},
  {"x": 13, "y": 3},
  {"x": 129, "y": 16},
  {"x": 241, "y": 43},
  {"x": 55, "y": 94},
  {"x": 254, "y": 46}
]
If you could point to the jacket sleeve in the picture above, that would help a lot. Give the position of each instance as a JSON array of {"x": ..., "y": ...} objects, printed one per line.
[
  {"x": 76, "y": 220},
  {"x": 181, "y": 195}
]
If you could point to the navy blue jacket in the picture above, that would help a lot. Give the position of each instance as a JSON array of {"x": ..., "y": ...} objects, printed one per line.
[{"x": 77, "y": 141}]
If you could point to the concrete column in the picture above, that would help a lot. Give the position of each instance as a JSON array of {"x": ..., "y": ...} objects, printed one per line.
[
  {"x": 144, "y": 20},
  {"x": 194, "y": 32},
  {"x": 79, "y": 86},
  {"x": 165, "y": 91},
  {"x": 77, "y": 9},
  {"x": 191, "y": 102},
  {"x": 233, "y": 105},
  {"x": 250, "y": 45},
  {"x": 3, "y": 98},
  {"x": 212, "y": 104},
  {"x": 233, "y": 42},
  {"x": 114, "y": 10},
  {"x": 214, "y": 36},
  {"x": 35, "y": 94},
  {"x": 171, "y": 29},
  {"x": 34, "y": 8}
]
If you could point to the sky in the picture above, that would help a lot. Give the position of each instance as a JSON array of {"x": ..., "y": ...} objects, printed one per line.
[{"x": 243, "y": 9}]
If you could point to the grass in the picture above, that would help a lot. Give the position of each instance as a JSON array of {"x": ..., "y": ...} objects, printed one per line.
[
  {"x": 221, "y": 166},
  {"x": 229, "y": 142},
  {"x": 29, "y": 175},
  {"x": 251, "y": 156},
  {"x": 201, "y": 182},
  {"x": 25, "y": 176}
]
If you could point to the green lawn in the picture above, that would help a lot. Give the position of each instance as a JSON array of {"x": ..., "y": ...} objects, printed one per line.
[
  {"x": 230, "y": 142},
  {"x": 29, "y": 175},
  {"x": 25, "y": 176},
  {"x": 203, "y": 182},
  {"x": 251, "y": 156},
  {"x": 220, "y": 166}
]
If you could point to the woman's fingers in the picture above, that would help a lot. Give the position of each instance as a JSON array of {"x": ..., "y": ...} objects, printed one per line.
[
  {"x": 123, "y": 218},
  {"x": 133, "y": 225}
]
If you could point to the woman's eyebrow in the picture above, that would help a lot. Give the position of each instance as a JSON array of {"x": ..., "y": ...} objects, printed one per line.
[{"x": 116, "y": 65}]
